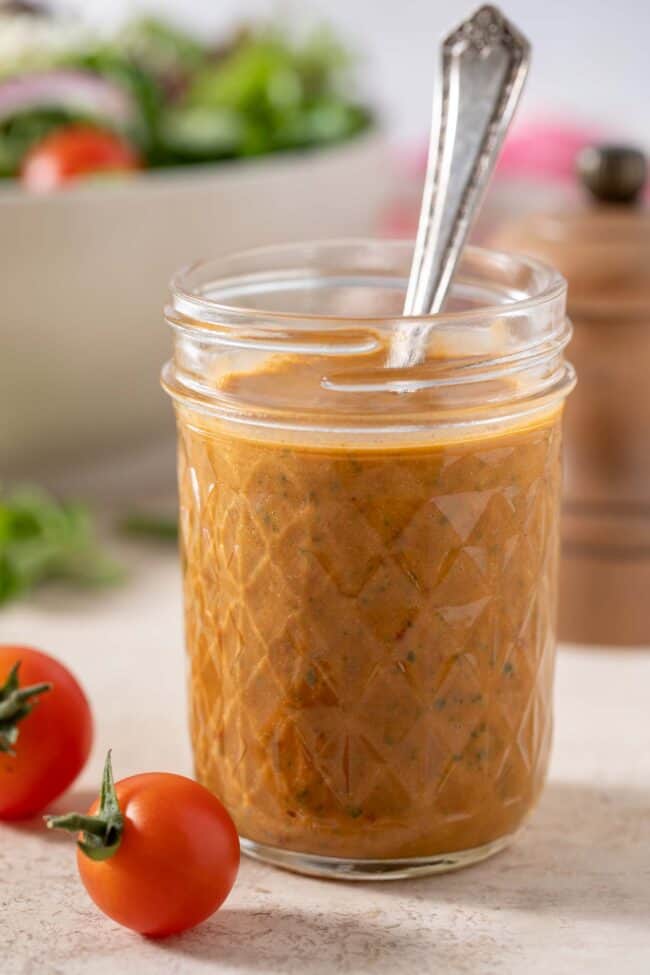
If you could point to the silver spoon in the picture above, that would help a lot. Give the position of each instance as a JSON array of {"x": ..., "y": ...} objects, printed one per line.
[{"x": 482, "y": 71}]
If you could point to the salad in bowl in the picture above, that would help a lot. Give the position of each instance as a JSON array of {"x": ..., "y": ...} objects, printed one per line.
[
  {"x": 75, "y": 104},
  {"x": 123, "y": 158}
]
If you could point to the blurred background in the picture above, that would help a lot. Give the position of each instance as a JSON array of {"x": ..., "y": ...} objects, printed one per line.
[
  {"x": 136, "y": 137},
  {"x": 589, "y": 64}
]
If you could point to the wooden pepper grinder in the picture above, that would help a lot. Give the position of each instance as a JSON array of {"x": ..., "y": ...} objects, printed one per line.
[{"x": 603, "y": 249}]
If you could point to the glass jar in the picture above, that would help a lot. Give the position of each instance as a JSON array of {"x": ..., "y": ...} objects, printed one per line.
[{"x": 370, "y": 554}]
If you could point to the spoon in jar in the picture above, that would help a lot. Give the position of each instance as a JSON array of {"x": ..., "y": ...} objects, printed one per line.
[{"x": 483, "y": 67}]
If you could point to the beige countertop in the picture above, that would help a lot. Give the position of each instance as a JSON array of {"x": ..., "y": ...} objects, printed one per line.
[{"x": 572, "y": 895}]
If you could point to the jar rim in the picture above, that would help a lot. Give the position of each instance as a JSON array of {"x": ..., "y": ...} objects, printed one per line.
[
  {"x": 497, "y": 359},
  {"x": 189, "y": 297}
]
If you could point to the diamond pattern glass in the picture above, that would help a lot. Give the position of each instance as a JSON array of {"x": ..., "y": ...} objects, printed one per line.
[{"x": 371, "y": 636}]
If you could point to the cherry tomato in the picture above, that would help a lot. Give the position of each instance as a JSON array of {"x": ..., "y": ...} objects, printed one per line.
[
  {"x": 158, "y": 853},
  {"x": 45, "y": 748},
  {"x": 73, "y": 152}
]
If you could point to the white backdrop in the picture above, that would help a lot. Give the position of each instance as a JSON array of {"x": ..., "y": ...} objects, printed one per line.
[{"x": 591, "y": 57}]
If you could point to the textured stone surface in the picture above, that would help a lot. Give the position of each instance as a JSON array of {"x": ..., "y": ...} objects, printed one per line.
[{"x": 570, "y": 896}]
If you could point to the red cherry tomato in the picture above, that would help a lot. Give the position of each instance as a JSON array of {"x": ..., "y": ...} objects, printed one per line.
[
  {"x": 53, "y": 739},
  {"x": 168, "y": 852},
  {"x": 74, "y": 152}
]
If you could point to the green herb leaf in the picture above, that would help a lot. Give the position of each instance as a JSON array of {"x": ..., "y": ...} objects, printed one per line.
[
  {"x": 141, "y": 525},
  {"x": 43, "y": 539}
]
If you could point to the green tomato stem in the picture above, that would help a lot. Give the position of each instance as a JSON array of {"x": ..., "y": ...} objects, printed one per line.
[
  {"x": 101, "y": 834},
  {"x": 15, "y": 704}
]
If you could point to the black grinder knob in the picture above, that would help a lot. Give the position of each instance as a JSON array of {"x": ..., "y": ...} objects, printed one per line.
[{"x": 613, "y": 174}]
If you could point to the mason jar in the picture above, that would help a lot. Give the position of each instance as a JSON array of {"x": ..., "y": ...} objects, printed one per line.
[{"x": 370, "y": 553}]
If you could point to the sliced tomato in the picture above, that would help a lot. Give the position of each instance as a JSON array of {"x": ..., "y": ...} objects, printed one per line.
[{"x": 76, "y": 152}]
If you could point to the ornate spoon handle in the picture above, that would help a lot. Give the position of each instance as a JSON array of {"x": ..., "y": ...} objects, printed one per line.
[{"x": 482, "y": 73}]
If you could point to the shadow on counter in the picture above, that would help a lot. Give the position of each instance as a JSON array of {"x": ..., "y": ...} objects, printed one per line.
[{"x": 585, "y": 853}]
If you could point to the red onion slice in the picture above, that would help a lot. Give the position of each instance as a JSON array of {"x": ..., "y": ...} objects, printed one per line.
[{"x": 76, "y": 91}]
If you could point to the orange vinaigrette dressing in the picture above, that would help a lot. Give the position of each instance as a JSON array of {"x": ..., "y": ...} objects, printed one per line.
[{"x": 370, "y": 629}]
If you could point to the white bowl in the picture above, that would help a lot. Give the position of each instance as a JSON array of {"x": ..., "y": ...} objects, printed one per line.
[{"x": 85, "y": 275}]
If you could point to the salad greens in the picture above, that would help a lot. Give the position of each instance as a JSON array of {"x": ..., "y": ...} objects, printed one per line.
[
  {"x": 42, "y": 539},
  {"x": 262, "y": 91},
  {"x": 21, "y": 132}
]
